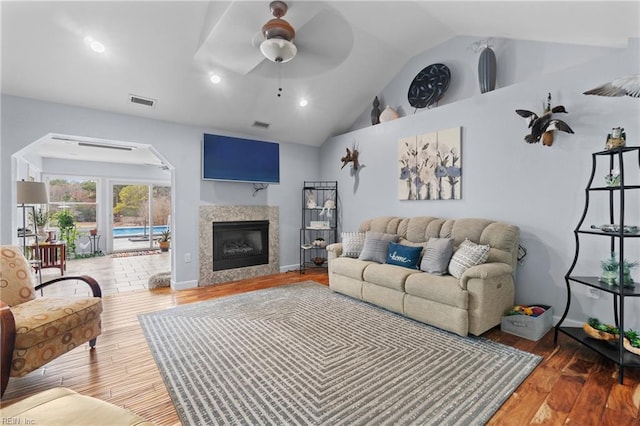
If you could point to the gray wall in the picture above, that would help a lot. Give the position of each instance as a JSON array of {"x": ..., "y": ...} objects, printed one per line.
[
  {"x": 538, "y": 188},
  {"x": 26, "y": 120}
]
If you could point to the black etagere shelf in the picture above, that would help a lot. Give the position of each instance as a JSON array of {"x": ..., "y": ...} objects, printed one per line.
[
  {"x": 319, "y": 222},
  {"x": 613, "y": 351}
]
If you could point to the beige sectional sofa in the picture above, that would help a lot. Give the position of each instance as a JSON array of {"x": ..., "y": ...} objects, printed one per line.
[{"x": 473, "y": 303}]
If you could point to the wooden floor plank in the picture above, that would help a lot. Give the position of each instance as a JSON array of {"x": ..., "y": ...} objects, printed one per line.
[{"x": 572, "y": 384}]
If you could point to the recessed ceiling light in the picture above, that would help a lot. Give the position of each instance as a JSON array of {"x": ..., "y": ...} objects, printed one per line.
[
  {"x": 95, "y": 45},
  {"x": 98, "y": 47},
  {"x": 303, "y": 102},
  {"x": 215, "y": 78}
]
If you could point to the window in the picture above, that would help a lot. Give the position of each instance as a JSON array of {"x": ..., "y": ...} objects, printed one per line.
[{"x": 78, "y": 195}]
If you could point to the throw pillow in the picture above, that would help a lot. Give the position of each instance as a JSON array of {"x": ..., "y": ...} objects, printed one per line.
[
  {"x": 352, "y": 243},
  {"x": 468, "y": 254},
  {"x": 376, "y": 246},
  {"x": 402, "y": 255},
  {"x": 437, "y": 255}
]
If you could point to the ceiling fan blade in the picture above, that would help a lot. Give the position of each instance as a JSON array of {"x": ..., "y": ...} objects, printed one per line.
[{"x": 228, "y": 33}]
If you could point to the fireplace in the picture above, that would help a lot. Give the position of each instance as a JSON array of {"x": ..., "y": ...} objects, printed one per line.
[{"x": 239, "y": 244}]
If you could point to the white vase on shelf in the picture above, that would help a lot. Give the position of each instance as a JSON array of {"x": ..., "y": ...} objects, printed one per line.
[{"x": 388, "y": 114}]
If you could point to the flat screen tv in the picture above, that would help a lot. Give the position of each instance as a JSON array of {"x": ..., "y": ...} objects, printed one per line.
[{"x": 225, "y": 158}]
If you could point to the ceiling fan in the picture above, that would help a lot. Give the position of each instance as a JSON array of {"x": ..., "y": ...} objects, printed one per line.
[{"x": 236, "y": 37}]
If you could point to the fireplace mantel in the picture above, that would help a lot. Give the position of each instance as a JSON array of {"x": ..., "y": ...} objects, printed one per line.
[{"x": 210, "y": 214}]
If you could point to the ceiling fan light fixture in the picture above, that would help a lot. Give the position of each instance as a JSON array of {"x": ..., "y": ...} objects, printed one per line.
[
  {"x": 278, "y": 36},
  {"x": 278, "y": 50}
]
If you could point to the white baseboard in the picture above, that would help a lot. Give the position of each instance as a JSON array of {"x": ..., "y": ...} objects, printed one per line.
[
  {"x": 289, "y": 268},
  {"x": 183, "y": 285}
]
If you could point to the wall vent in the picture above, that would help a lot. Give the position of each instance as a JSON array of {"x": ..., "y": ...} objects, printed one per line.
[
  {"x": 135, "y": 99},
  {"x": 260, "y": 124}
]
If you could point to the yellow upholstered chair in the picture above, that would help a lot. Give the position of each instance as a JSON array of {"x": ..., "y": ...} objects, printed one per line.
[{"x": 35, "y": 330}]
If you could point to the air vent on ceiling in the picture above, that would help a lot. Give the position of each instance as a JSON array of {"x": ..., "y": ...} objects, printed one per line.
[
  {"x": 260, "y": 124},
  {"x": 135, "y": 99}
]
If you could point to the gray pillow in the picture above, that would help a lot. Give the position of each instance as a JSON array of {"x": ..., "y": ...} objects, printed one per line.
[
  {"x": 352, "y": 243},
  {"x": 468, "y": 254},
  {"x": 376, "y": 246},
  {"x": 437, "y": 255}
]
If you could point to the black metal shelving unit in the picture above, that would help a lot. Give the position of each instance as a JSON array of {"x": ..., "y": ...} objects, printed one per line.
[
  {"x": 613, "y": 351},
  {"x": 312, "y": 252}
]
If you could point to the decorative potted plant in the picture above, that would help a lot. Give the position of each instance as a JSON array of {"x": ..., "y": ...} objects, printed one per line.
[
  {"x": 165, "y": 237},
  {"x": 632, "y": 341},
  {"x": 66, "y": 222},
  {"x": 597, "y": 330},
  {"x": 40, "y": 218},
  {"x": 611, "y": 271}
]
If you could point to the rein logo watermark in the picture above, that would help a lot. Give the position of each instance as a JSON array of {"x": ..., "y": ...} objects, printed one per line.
[{"x": 17, "y": 421}]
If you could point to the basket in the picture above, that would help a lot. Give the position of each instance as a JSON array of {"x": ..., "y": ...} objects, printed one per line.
[{"x": 599, "y": 334}]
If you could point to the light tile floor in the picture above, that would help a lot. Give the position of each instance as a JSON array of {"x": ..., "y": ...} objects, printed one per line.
[{"x": 114, "y": 274}]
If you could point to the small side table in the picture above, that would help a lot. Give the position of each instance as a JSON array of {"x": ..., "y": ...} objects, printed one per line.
[{"x": 95, "y": 243}]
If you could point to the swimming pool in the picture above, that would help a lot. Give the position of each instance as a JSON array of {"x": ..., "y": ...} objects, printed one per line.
[{"x": 133, "y": 231}]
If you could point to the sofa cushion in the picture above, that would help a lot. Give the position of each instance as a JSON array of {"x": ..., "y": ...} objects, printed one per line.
[
  {"x": 390, "y": 276},
  {"x": 402, "y": 255},
  {"x": 443, "y": 289},
  {"x": 468, "y": 254},
  {"x": 352, "y": 243},
  {"x": 376, "y": 246},
  {"x": 437, "y": 255},
  {"x": 348, "y": 267}
]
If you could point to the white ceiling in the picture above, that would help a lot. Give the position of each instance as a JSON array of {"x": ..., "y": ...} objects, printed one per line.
[{"x": 348, "y": 52}]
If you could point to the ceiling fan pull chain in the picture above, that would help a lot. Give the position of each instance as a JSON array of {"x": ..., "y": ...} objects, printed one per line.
[{"x": 279, "y": 78}]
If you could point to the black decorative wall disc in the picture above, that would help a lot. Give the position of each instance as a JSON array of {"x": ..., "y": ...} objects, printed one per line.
[{"x": 429, "y": 85}]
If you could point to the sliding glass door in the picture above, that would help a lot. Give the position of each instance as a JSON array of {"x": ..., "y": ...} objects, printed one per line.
[{"x": 141, "y": 212}]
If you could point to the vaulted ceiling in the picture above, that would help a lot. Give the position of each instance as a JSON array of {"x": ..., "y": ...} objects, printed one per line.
[{"x": 347, "y": 52}]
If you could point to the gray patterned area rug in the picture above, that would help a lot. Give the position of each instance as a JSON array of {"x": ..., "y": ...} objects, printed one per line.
[{"x": 303, "y": 355}]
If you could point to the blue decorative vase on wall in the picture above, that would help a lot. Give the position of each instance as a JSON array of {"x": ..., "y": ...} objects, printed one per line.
[{"x": 487, "y": 70}]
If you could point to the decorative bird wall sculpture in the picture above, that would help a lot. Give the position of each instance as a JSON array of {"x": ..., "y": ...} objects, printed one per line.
[
  {"x": 351, "y": 157},
  {"x": 542, "y": 127},
  {"x": 623, "y": 86}
]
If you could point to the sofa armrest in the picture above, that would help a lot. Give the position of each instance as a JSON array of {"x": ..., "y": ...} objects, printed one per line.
[
  {"x": 491, "y": 293},
  {"x": 334, "y": 251},
  {"x": 485, "y": 271}
]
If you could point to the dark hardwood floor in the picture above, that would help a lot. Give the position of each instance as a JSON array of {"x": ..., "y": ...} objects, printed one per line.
[{"x": 572, "y": 385}]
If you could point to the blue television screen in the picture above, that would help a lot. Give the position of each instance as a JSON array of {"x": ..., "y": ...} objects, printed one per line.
[{"x": 240, "y": 160}]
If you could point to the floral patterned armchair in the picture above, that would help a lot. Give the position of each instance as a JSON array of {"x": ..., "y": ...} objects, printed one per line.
[{"x": 36, "y": 330}]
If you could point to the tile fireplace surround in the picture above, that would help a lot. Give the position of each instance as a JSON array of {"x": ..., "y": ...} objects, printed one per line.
[{"x": 210, "y": 214}]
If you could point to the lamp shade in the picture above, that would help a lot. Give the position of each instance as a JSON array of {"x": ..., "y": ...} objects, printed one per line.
[
  {"x": 31, "y": 193},
  {"x": 278, "y": 50}
]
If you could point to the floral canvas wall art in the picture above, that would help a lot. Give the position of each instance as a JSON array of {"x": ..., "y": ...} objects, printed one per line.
[{"x": 430, "y": 166}]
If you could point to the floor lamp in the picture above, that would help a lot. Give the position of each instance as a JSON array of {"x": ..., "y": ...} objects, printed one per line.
[{"x": 27, "y": 194}]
